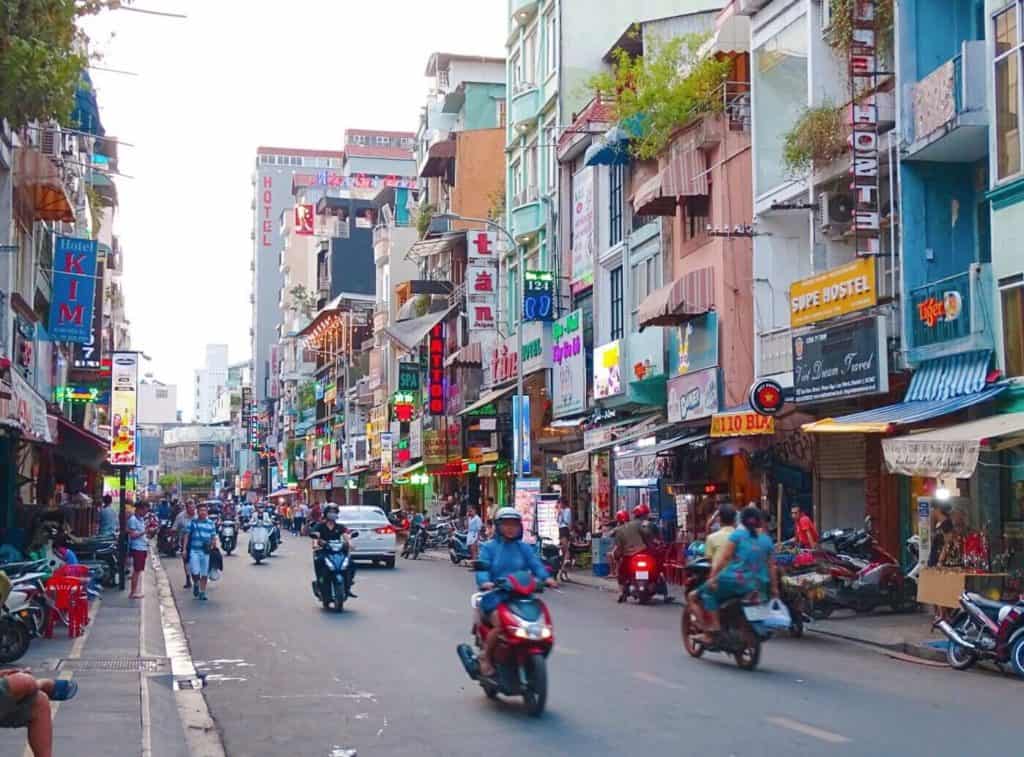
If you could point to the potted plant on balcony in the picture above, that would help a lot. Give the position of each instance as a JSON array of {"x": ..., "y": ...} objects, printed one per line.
[{"x": 817, "y": 138}]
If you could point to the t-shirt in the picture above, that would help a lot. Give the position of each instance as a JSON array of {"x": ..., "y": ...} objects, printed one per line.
[
  {"x": 565, "y": 517},
  {"x": 750, "y": 559},
  {"x": 181, "y": 522},
  {"x": 328, "y": 531},
  {"x": 473, "y": 529},
  {"x": 629, "y": 538},
  {"x": 806, "y": 533},
  {"x": 716, "y": 541},
  {"x": 201, "y": 533},
  {"x": 135, "y": 523},
  {"x": 108, "y": 521}
]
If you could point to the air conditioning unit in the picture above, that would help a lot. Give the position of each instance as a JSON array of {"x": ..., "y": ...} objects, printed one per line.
[
  {"x": 50, "y": 140},
  {"x": 836, "y": 209}
]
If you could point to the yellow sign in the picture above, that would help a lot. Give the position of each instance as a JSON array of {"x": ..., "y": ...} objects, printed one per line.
[
  {"x": 842, "y": 290},
  {"x": 742, "y": 424}
]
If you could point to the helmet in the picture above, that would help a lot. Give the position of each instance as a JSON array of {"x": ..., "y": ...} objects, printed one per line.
[
  {"x": 695, "y": 550},
  {"x": 641, "y": 511},
  {"x": 621, "y": 517},
  {"x": 508, "y": 513},
  {"x": 331, "y": 509}
]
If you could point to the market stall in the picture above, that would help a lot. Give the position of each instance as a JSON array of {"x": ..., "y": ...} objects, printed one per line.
[{"x": 968, "y": 485}]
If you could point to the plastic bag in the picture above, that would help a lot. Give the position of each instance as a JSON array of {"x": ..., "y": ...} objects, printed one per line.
[
  {"x": 777, "y": 616},
  {"x": 216, "y": 565}
]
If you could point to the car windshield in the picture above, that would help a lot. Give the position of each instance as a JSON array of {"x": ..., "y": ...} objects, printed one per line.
[{"x": 362, "y": 515}]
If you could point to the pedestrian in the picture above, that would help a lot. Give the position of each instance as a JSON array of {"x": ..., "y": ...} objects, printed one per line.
[
  {"x": 804, "y": 531},
  {"x": 108, "y": 517},
  {"x": 25, "y": 703},
  {"x": 181, "y": 524},
  {"x": 300, "y": 522},
  {"x": 564, "y": 536},
  {"x": 138, "y": 544},
  {"x": 473, "y": 528},
  {"x": 201, "y": 540}
]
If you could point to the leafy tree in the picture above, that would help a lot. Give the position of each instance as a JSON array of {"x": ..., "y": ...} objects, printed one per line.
[
  {"x": 303, "y": 301},
  {"x": 186, "y": 480},
  {"x": 662, "y": 90}
]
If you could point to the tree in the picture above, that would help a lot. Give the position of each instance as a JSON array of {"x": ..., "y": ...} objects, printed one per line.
[
  {"x": 303, "y": 301},
  {"x": 43, "y": 52}
]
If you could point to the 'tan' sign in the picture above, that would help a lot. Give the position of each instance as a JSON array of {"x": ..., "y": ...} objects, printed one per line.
[{"x": 74, "y": 286}]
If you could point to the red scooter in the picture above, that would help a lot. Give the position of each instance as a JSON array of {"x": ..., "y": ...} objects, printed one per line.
[
  {"x": 644, "y": 577},
  {"x": 525, "y": 639}
]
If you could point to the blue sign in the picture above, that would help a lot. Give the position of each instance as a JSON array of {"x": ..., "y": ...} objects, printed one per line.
[
  {"x": 538, "y": 296},
  {"x": 74, "y": 287},
  {"x": 521, "y": 433},
  {"x": 693, "y": 346}
]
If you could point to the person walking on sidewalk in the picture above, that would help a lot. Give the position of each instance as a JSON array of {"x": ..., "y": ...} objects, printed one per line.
[
  {"x": 473, "y": 528},
  {"x": 25, "y": 703},
  {"x": 181, "y": 524},
  {"x": 201, "y": 540},
  {"x": 138, "y": 544}
]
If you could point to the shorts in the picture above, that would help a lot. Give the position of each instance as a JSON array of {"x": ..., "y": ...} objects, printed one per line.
[
  {"x": 139, "y": 560},
  {"x": 564, "y": 533},
  {"x": 728, "y": 588},
  {"x": 14, "y": 713},
  {"x": 199, "y": 563}
]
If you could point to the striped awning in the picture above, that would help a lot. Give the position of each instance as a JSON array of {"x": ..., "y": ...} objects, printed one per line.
[
  {"x": 470, "y": 354},
  {"x": 686, "y": 168},
  {"x": 950, "y": 376},
  {"x": 691, "y": 295}
]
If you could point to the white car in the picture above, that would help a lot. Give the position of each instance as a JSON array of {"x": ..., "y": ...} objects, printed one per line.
[{"x": 373, "y": 536}]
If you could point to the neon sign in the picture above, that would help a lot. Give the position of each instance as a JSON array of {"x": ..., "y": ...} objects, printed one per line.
[{"x": 435, "y": 370}]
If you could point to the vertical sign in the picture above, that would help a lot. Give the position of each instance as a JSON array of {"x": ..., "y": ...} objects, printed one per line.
[
  {"x": 569, "y": 376},
  {"x": 521, "y": 434},
  {"x": 86, "y": 355},
  {"x": 74, "y": 290},
  {"x": 304, "y": 220},
  {"x": 864, "y": 127},
  {"x": 386, "y": 457},
  {"x": 482, "y": 247},
  {"x": 481, "y": 296},
  {"x": 538, "y": 296},
  {"x": 124, "y": 380},
  {"x": 582, "y": 229},
  {"x": 527, "y": 495},
  {"x": 267, "y": 205},
  {"x": 435, "y": 370}
]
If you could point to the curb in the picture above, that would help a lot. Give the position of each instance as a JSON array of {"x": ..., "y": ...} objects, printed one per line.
[{"x": 914, "y": 650}]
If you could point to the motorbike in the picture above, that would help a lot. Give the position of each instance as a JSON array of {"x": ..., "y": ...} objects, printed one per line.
[
  {"x": 334, "y": 588},
  {"x": 415, "y": 543},
  {"x": 458, "y": 550},
  {"x": 740, "y": 633},
  {"x": 525, "y": 640},
  {"x": 244, "y": 521},
  {"x": 275, "y": 534},
  {"x": 167, "y": 539},
  {"x": 983, "y": 629},
  {"x": 259, "y": 542},
  {"x": 551, "y": 556},
  {"x": 228, "y": 536},
  {"x": 643, "y": 577}
]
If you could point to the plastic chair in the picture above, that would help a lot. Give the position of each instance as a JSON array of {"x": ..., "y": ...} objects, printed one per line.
[{"x": 67, "y": 590}]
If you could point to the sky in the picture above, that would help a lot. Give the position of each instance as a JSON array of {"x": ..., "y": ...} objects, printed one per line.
[{"x": 209, "y": 89}]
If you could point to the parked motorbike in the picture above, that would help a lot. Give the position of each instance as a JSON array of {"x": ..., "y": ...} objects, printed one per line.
[
  {"x": 334, "y": 586},
  {"x": 551, "y": 556},
  {"x": 228, "y": 536},
  {"x": 14, "y": 630},
  {"x": 259, "y": 542},
  {"x": 167, "y": 539},
  {"x": 415, "y": 543},
  {"x": 458, "y": 550},
  {"x": 983, "y": 629},
  {"x": 525, "y": 640}
]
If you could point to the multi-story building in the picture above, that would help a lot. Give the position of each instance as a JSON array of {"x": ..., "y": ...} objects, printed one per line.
[
  {"x": 158, "y": 402},
  {"x": 209, "y": 381}
]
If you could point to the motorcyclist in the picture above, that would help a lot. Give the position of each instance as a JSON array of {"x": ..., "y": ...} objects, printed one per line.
[
  {"x": 631, "y": 539},
  {"x": 744, "y": 564},
  {"x": 504, "y": 555},
  {"x": 328, "y": 530},
  {"x": 261, "y": 517},
  {"x": 163, "y": 510}
]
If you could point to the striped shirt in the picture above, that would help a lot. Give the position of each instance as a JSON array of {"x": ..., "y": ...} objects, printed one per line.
[{"x": 201, "y": 533}]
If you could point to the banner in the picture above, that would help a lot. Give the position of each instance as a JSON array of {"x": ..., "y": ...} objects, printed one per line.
[
  {"x": 582, "y": 229},
  {"x": 74, "y": 290},
  {"x": 304, "y": 220},
  {"x": 386, "y": 458},
  {"x": 521, "y": 434},
  {"x": 362, "y": 181},
  {"x": 693, "y": 396},
  {"x": 569, "y": 375},
  {"x": 124, "y": 380},
  {"x": 527, "y": 495}
]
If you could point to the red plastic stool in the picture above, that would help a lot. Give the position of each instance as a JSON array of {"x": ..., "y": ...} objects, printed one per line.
[{"x": 71, "y": 602}]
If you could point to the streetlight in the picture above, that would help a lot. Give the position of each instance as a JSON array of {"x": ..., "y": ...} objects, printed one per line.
[{"x": 520, "y": 263}]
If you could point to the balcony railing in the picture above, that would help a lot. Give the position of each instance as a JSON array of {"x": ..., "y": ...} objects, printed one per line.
[{"x": 776, "y": 352}]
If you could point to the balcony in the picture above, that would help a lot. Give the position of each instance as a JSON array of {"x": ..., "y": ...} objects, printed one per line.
[
  {"x": 523, "y": 11},
  {"x": 951, "y": 315},
  {"x": 776, "y": 353},
  {"x": 525, "y": 106},
  {"x": 948, "y": 117},
  {"x": 527, "y": 214}
]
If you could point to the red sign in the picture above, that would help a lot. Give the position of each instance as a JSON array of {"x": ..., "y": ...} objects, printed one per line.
[
  {"x": 268, "y": 210},
  {"x": 933, "y": 310},
  {"x": 766, "y": 397},
  {"x": 304, "y": 220},
  {"x": 435, "y": 370}
]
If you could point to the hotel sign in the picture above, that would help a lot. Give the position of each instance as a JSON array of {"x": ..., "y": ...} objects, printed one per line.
[{"x": 842, "y": 290}]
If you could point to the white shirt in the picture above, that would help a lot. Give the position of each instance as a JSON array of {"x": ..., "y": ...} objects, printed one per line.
[
  {"x": 565, "y": 517},
  {"x": 473, "y": 530}
]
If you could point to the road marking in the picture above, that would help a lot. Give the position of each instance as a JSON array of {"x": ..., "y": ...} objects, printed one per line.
[
  {"x": 449, "y": 610},
  {"x": 808, "y": 730},
  {"x": 568, "y": 650},
  {"x": 651, "y": 678}
]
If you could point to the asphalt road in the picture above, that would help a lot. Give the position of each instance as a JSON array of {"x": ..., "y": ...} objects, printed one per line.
[{"x": 285, "y": 677}]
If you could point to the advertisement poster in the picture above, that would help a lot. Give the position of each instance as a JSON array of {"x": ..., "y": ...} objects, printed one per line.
[
  {"x": 386, "y": 458},
  {"x": 527, "y": 496},
  {"x": 521, "y": 434},
  {"x": 848, "y": 360},
  {"x": 693, "y": 396},
  {"x": 547, "y": 516},
  {"x": 694, "y": 345},
  {"x": 569, "y": 358},
  {"x": 304, "y": 220},
  {"x": 582, "y": 229},
  {"x": 601, "y": 513},
  {"x": 74, "y": 290},
  {"x": 124, "y": 380},
  {"x": 608, "y": 370}
]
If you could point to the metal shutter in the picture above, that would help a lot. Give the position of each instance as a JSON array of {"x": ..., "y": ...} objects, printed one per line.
[{"x": 841, "y": 456}]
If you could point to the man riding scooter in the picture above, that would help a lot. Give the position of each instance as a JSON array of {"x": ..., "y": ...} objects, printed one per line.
[
  {"x": 325, "y": 532},
  {"x": 632, "y": 538},
  {"x": 503, "y": 556}
]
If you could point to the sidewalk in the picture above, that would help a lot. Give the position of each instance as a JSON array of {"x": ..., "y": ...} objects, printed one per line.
[{"x": 126, "y": 700}]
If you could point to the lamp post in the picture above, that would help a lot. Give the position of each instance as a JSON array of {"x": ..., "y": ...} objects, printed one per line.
[{"x": 520, "y": 263}]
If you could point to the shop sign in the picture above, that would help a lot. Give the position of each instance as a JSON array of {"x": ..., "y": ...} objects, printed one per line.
[
  {"x": 766, "y": 397},
  {"x": 842, "y": 361},
  {"x": 330, "y": 394},
  {"x": 123, "y": 408},
  {"x": 527, "y": 497},
  {"x": 481, "y": 296},
  {"x": 436, "y": 450},
  {"x": 938, "y": 311},
  {"x": 416, "y": 439},
  {"x": 742, "y": 424},
  {"x": 304, "y": 220},
  {"x": 694, "y": 345},
  {"x": 547, "y": 516},
  {"x": 500, "y": 360},
  {"x": 80, "y": 393},
  {"x": 842, "y": 290},
  {"x": 435, "y": 370},
  {"x": 647, "y": 355},
  {"x": 386, "y": 458},
  {"x": 85, "y": 356},
  {"x": 408, "y": 377},
  {"x": 864, "y": 169},
  {"x": 582, "y": 229},
  {"x": 482, "y": 247},
  {"x": 574, "y": 462},
  {"x": 538, "y": 296},
  {"x": 569, "y": 374},
  {"x": 608, "y": 370},
  {"x": 693, "y": 396},
  {"x": 74, "y": 290},
  {"x": 28, "y": 409},
  {"x": 523, "y": 454}
]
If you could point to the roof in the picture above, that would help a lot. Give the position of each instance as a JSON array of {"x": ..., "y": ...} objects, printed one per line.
[
  {"x": 300, "y": 152},
  {"x": 442, "y": 60},
  {"x": 377, "y": 132},
  {"x": 372, "y": 151}
]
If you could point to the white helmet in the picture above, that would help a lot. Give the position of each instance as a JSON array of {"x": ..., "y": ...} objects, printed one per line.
[{"x": 508, "y": 513}]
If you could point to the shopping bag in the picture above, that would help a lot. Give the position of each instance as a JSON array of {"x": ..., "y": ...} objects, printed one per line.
[
  {"x": 216, "y": 565},
  {"x": 777, "y": 616}
]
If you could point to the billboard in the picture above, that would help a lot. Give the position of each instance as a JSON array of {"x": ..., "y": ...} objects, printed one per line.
[{"x": 124, "y": 387}]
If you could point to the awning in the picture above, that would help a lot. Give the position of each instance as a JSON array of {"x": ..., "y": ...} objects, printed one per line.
[
  {"x": 80, "y": 446},
  {"x": 422, "y": 304},
  {"x": 574, "y": 462},
  {"x": 686, "y": 168},
  {"x": 408, "y": 334},
  {"x": 950, "y": 376},
  {"x": 38, "y": 178},
  {"x": 665, "y": 446},
  {"x": 632, "y": 436},
  {"x": 323, "y": 471},
  {"x": 284, "y": 493},
  {"x": 568, "y": 422},
  {"x": 882, "y": 419},
  {"x": 731, "y": 36},
  {"x": 690, "y": 295},
  {"x": 438, "y": 157},
  {"x": 470, "y": 354},
  {"x": 488, "y": 398},
  {"x": 611, "y": 150},
  {"x": 403, "y": 472},
  {"x": 650, "y": 199},
  {"x": 952, "y": 451},
  {"x": 427, "y": 247}
]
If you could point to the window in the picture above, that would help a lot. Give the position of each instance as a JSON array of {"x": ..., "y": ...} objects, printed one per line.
[
  {"x": 615, "y": 288},
  {"x": 516, "y": 183},
  {"x": 615, "y": 204},
  {"x": 1007, "y": 90},
  {"x": 1013, "y": 330},
  {"x": 530, "y": 57},
  {"x": 515, "y": 70},
  {"x": 532, "y": 179},
  {"x": 383, "y": 141},
  {"x": 551, "y": 154},
  {"x": 550, "y": 41},
  {"x": 646, "y": 279},
  {"x": 501, "y": 114},
  {"x": 695, "y": 219}
]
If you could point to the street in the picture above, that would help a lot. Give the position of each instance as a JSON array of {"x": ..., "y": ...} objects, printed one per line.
[{"x": 382, "y": 678}]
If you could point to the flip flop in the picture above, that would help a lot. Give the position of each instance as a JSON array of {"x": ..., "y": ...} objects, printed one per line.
[{"x": 63, "y": 690}]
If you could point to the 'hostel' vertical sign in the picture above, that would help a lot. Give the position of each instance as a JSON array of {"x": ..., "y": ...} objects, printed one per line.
[
  {"x": 74, "y": 287},
  {"x": 864, "y": 127}
]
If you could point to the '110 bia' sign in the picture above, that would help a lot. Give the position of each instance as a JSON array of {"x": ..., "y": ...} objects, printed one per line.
[{"x": 74, "y": 286}]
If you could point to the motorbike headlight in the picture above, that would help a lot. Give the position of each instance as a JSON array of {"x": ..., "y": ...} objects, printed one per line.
[
  {"x": 522, "y": 633},
  {"x": 545, "y": 633}
]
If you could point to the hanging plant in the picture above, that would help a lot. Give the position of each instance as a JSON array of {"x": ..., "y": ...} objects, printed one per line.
[
  {"x": 840, "y": 30},
  {"x": 423, "y": 216},
  {"x": 817, "y": 137}
]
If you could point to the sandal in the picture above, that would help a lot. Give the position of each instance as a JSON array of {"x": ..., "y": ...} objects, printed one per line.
[{"x": 63, "y": 690}]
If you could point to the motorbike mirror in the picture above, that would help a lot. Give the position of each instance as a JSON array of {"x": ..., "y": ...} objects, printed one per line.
[{"x": 481, "y": 565}]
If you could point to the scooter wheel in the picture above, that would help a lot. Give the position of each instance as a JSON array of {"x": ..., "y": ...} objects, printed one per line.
[
  {"x": 14, "y": 640},
  {"x": 536, "y": 694},
  {"x": 748, "y": 657},
  {"x": 690, "y": 630},
  {"x": 454, "y": 558},
  {"x": 489, "y": 690}
]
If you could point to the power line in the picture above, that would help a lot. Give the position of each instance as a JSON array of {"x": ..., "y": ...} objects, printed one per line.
[
  {"x": 113, "y": 70},
  {"x": 166, "y": 14}
]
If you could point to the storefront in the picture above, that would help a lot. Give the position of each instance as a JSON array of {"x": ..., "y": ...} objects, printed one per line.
[{"x": 971, "y": 475}]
